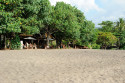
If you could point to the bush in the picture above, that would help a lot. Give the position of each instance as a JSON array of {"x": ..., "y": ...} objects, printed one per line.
[
  {"x": 95, "y": 46},
  {"x": 15, "y": 43},
  {"x": 122, "y": 48},
  {"x": 53, "y": 44},
  {"x": 106, "y": 39},
  {"x": 89, "y": 46}
]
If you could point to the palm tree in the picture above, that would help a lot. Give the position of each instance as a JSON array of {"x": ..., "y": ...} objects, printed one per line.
[{"x": 120, "y": 27}]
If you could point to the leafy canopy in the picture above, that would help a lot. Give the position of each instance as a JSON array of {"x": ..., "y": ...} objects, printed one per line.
[{"x": 106, "y": 39}]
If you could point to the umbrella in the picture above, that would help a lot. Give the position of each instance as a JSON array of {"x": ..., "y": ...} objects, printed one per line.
[
  {"x": 49, "y": 39},
  {"x": 30, "y": 38}
]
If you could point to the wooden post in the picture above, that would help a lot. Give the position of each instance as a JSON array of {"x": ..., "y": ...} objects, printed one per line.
[
  {"x": 5, "y": 42},
  {"x": 48, "y": 34},
  {"x": 0, "y": 42},
  {"x": 38, "y": 43}
]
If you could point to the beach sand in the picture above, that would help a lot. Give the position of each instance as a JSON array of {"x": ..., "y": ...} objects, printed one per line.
[{"x": 62, "y": 66}]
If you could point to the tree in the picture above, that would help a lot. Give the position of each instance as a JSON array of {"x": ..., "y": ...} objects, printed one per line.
[
  {"x": 18, "y": 17},
  {"x": 88, "y": 33},
  {"x": 66, "y": 21},
  {"x": 119, "y": 30},
  {"x": 81, "y": 22},
  {"x": 107, "y": 26},
  {"x": 9, "y": 13},
  {"x": 120, "y": 25},
  {"x": 106, "y": 39},
  {"x": 28, "y": 18},
  {"x": 45, "y": 18},
  {"x": 122, "y": 40}
]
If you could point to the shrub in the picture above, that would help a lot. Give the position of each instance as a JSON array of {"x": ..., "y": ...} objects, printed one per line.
[
  {"x": 15, "y": 43},
  {"x": 89, "y": 46},
  {"x": 95, "y": 46},
  {"x": 106, "y": 39},
  {"x": 53, "y": 44}
]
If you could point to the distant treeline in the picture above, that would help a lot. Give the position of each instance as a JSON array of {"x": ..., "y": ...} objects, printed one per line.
[{"x": 65, "y": 23}]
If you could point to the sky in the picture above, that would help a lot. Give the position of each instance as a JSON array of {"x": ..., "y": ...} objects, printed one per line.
[{"x": 98, "y": 10}]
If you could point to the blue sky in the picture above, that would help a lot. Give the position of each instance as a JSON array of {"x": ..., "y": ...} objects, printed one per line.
[{"x": 98, "y": 10}]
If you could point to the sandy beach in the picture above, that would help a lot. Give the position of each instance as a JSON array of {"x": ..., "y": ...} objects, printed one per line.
[{"x": 62, "y": 66}]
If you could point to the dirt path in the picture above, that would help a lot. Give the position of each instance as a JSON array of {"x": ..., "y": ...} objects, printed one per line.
[{"x": 62, "y": 66}]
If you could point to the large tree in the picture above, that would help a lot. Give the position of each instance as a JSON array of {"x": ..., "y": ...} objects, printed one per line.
[
  {"x": 30, "y": 10},
  {"x": 88, "y": 34},
  {"x": 67, "y": 22},
  {"x": 9, "y": 17},
  {"x": 120, "y": 25},
  {"x": 18, "y": 16},
  {"x": 119, "y": 31},
  {"x": 107, "y": 26},
  {"x": 45, "y": 18}
]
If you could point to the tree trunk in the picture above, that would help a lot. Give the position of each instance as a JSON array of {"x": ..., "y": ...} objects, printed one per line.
[
  {"x": 68, "y": 44},
  {"x": 105, "y": 47},
  {"x": 48, "y": 34},
  {"x": 90, "y": 45},
  {"x": 58, "y": 43},
  {"x": 5, "y": 42},
  {"x": 0, "y": 42},
  {"x": 75, "y": 46}
]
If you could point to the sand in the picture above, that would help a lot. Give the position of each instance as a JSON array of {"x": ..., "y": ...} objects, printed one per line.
[{"x": 62, "y": 66}]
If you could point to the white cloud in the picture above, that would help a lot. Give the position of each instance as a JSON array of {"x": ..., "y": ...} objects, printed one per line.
[
  {"x": 120, "y": 2},
  {"x": 85, "y": 5},
  {"x": 100, "y": 11},
  {"x": 53, "y": 2}
]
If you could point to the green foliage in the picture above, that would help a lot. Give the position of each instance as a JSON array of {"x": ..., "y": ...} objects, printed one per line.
[
  {"x": 44, "y": 17},
  {"x": 65, "y": 22},
  {"x": 29, "y": 23},
  {"x": 95, "y": 46},
  {"x": 19, "y": 16},
  {"x": 119, "y": 32},
  {"x": 116, "y": 29},
  {"x": 106, "y": 39},
  {"x": 53, "y": 44},
  {"x": 120, "y": 25},
  {"x": 68, "y": 21},
  {"x": 107, "y": 26},
  {"x": 88, "y": 33},
  {"x": 9, "y": 13},
  {"x": 44, "y": 14},
  {"x": 122, "y": 40},
  {"x": 15, "y": 43}
]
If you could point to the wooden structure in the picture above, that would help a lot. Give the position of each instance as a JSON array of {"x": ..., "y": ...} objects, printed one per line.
[{"x": 40, "y": 40}]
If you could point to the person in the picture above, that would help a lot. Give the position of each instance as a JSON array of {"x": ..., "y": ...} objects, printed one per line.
[
  {"x": 27, "y": 45},
  {"x": 31, "y": 46},
  {"x": 34, "y": 46}
]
